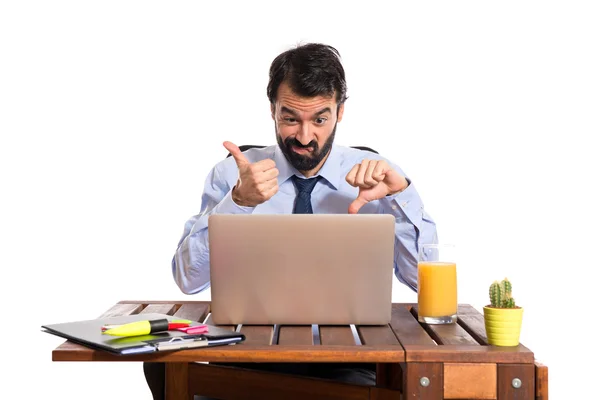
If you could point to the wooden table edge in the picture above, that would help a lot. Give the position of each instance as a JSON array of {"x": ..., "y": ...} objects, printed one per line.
[
  {"x": 468, "y": 353},
  {"x": 243, "y": 353}
]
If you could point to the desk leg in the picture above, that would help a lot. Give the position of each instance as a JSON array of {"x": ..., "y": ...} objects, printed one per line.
[
  {"x": 388, "y": 383},
  {"x": 389, "y": 376},
  {"x": 424, "y": 381},
  {"x": 541, "y": 381},
  {"x": 516, "y": 381},
  {"x": 176, "y": 381}
]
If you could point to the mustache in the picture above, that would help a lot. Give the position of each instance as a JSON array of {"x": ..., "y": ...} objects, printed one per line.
[{"x": 289, "y": 142}]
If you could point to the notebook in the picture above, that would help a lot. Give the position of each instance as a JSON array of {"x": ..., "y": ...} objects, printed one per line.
[
  {"x": 88, "y": 333},
  {"x": 333, "y": 269}
]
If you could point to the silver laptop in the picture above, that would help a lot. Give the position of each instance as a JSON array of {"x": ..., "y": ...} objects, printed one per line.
[{"x": 330, "y": 269}]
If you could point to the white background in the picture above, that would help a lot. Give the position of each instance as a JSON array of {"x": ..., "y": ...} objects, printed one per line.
[{"x": 113, "y": 112}]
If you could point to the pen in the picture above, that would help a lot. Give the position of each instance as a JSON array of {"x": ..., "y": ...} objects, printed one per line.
[{"x": 144, "y": 327}]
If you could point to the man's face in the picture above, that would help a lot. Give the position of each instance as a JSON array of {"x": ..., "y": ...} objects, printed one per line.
[{"x": 305, "y": 127}]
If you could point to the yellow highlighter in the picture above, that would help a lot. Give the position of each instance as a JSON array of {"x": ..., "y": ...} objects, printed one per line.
[{"x": 139, "y": 328}]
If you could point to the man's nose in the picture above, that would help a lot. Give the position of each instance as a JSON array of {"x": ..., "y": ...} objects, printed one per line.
[{"x": 304, "y": 136}]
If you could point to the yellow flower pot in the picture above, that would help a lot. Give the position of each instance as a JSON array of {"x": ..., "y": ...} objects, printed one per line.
[{"x": 503, "y": 325}]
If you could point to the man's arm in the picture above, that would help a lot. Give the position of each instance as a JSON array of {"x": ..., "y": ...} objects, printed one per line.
[
  {"x": 249, "y": 184},
  {"x": 191, "y": 268},
  {"x": 378, "y": 179},
  {"x": 414, "y": 227}
]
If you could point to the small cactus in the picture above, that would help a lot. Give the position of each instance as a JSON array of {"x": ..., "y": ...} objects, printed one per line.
[
  {"x": 501, "y": 294},
  {"x": 495, "y": 294},
  {"x": 509, "y": 303},
  {"x": 507, "y": 287}
]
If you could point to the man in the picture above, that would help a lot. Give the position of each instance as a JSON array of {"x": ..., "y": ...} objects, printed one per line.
[{"x": 306, "y": 173}]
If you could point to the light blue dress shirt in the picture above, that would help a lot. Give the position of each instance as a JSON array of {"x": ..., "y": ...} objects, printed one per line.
[{"x": 331, "y": 195}]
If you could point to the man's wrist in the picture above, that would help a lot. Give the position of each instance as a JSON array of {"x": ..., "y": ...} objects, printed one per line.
[
  {"x": 406, "y": 184},
  {"x": 237, "y": 199}
]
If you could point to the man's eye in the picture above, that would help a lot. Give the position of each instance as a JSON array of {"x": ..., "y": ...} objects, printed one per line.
[
  {"x": 320, "y": 121},
  {"x": 290, "y": 120}
]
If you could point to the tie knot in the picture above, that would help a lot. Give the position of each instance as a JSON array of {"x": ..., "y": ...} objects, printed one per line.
[{"x": 305, "y": 185}]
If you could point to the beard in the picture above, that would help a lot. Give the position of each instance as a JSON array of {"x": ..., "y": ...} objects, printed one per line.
[{"x": 306, "y": 162}]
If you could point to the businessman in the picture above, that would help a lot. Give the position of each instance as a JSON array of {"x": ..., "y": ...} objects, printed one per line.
[{"x": 305, "y": 172}]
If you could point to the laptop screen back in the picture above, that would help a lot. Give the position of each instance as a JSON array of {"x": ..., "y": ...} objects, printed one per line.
[{"x": 333, "y": 269}]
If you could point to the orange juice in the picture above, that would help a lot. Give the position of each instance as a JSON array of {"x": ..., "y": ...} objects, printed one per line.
[{"x": 437, "y": 289}]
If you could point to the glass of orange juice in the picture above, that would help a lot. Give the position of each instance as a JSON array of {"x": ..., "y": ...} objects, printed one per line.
[{"x": 436, "y": 285}]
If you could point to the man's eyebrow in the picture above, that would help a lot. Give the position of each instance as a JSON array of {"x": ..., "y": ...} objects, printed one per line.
[
  {"x": 284, "y": 109},
  {"x": 323, "y": 111}
]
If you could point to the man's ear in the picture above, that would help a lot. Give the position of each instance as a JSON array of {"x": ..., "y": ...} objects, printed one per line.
[
  {"x": 340, "y": 112},
  {"x": 273, "y": 111}
]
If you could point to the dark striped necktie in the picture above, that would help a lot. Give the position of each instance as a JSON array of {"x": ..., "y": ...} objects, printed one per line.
[{"x": 305, "y": 187}]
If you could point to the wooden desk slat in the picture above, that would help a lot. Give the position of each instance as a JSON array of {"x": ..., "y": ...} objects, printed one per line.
[
  {"x": 295, "y": 335},
  {"x": 193, "y": 312},
  {"x": 376, "y": 335},
  {"x": 407, "y": 329},
  {"x": 336, "y": 335},
  {"x": 256, "y": 334},
  {"x": 446, "y": 334},
  {"x": 472, "y": 321},
  {"x": 168, "y": 309},
  {"x": 450, "y": 334},
  {"x": 228, "y": 327},
  {"x": 122, "y": 309}
]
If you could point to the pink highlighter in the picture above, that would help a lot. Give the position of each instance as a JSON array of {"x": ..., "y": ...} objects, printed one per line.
[{"x": 194, "y": 329}]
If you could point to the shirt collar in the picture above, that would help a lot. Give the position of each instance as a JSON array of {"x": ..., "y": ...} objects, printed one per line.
[{"x": 330, "y": 169}]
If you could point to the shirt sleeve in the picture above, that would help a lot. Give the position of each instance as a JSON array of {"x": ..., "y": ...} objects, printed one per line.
[
  {"x": 413, "y": 227},
  {"x": 191, "y": 268}
]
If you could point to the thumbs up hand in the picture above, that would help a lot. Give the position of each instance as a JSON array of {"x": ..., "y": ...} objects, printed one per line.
[
  {"x": 257, "y": 181},
  {"x": 375, "y": 179}
]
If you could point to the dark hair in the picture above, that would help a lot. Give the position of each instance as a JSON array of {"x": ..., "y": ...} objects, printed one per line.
[{"x": 311, "y": 70}]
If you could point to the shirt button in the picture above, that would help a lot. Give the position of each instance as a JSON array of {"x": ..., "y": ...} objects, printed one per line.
[
  {"x": 394, "y": 207},
  {"x": 404, "y": 204}
]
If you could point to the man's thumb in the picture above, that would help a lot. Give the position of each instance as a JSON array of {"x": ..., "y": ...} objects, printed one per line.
[
  {"x": 236, "y": 153},
  {"x": 356, "y": 205}
]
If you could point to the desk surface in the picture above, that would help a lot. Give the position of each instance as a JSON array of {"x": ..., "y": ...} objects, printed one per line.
[{"x": 403, "y": 340}]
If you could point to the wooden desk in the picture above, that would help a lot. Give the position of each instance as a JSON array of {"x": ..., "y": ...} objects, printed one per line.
[{"x": 414, "y": 361}]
